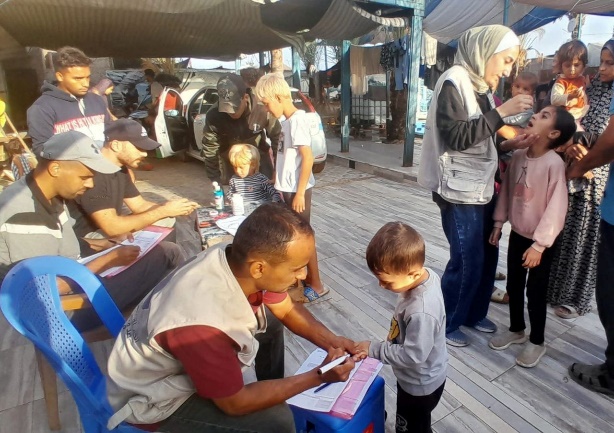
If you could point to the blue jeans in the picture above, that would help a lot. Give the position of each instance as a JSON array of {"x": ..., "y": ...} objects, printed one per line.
[
  {"x": 469, "y": 277},
  {"x": 604, "y": 292}
]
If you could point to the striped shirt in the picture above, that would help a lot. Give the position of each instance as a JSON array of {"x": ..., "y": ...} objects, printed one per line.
[
  {"x": 253, "y": 188},
  {"x": 31, "y": 226}
]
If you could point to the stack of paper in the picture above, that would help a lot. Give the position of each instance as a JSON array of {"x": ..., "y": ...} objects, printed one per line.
[
  {"x": 356, "y": 389},
  {"x": 343, "y": 398},
  {"x": 145, "y": 239}
]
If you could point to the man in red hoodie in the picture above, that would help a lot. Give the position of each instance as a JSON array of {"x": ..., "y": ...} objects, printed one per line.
[{"x": 67, "y": 105}]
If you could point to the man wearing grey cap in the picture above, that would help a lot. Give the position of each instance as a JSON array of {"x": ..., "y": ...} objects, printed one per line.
[
  {"x": 34, "y": 222},
  {"x": 126, "y": 143},
  {"x": 229, "y": 121}
]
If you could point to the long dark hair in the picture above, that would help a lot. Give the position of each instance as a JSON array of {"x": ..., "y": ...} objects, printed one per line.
[{"x": 565, "y": 123}]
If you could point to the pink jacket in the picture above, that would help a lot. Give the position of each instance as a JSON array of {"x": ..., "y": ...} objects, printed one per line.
[{"x": 533, "y": 197}]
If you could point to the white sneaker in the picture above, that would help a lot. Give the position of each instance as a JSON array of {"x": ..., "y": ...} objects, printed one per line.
[
  {"x": 506, "y": 339},
  {"x": 530, "y": 355}
]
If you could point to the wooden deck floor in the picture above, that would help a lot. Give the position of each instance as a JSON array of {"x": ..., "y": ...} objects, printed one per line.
[{"x": 485, "y": 391}]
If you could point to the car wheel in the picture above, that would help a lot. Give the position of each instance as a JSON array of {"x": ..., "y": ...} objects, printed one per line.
[{"x": 318, "y": 167}]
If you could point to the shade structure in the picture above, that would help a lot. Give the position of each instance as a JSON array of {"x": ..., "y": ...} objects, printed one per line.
[
  {"x": 595, "y": 7},
  {"x": 220, "y": 29},
  {"x": 446, "y": 20}
]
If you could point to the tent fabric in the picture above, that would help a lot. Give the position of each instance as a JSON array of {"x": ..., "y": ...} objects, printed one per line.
[
  {"x": 446, "y": 20},
  {"x": 220, "y": 29},
  {"x": 223, "y": 29},
  {"x": 595, "y": 7}
]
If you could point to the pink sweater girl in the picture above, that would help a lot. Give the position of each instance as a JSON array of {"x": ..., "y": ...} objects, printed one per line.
[{"x": 533, "y": 199}]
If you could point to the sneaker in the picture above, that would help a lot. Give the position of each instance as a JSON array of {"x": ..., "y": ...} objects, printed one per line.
[
  {"x": 506, "y": 339},
  {"x": 593, "y": 377},
  {"x": 457, "y": 338},
  {"x": 485, "y": 325},
  {"x": 530, "y": 355}
]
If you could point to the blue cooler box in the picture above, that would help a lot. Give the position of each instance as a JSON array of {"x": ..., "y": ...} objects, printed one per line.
[{"x": 369, "y": 417}]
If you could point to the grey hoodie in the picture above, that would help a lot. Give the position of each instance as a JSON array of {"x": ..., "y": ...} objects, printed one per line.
[
  {"x": 416, "y": 345},
  {"x": 56, "y": 111}
]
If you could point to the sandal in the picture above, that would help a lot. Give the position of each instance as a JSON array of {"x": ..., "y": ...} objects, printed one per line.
[
  {"x": 566, "y": 312},
  {"x": 593, "y": 377},
  {"x": 500, "y": 296},
  {"x": 311, "y": 295}
]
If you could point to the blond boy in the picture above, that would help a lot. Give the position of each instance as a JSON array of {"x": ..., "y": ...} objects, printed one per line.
[{"x": 293, "y": 177}]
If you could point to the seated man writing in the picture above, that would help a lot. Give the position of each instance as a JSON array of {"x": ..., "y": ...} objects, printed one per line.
[
  {"x": 100, "y": 207},
  {"x": 177, "y": 364},
  {"x": 34, "y": 222}
]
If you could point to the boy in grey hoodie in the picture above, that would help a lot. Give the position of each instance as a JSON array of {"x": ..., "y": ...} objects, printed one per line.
[{"x": 416, "y": 343}]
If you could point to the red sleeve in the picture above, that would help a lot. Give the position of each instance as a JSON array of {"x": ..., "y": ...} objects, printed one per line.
[
  {"x": 208, "y": 356},
  {"x": 273, "y": 298}
]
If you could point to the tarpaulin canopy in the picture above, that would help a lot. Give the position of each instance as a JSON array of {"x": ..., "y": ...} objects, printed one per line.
[
  {"x": 595, "y": 7},
  {"x": 223, "y": 29},
  {"x": 445, "y": 20},
  {"x": 188, "y": 28}
]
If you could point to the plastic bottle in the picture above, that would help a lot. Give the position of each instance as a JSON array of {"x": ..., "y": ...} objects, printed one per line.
[
  {"x": 218, "y": 195},
  {"x": 238, "y": 207}
]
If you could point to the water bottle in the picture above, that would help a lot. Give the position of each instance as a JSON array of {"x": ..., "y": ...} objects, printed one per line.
[
  {"x": 238, "y": 207},
  {"x": 218, "y": 196}
]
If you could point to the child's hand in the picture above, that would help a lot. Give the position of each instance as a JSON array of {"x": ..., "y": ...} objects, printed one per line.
[
  {"x": 362, "y": 349},
  {"x": 495, "y": 235},
  {"x": 576, "y": 152},
  {"x": 575, "y": 94},
  {"x": 532, "y": 258},
  {"x": 298, "y": 204}
]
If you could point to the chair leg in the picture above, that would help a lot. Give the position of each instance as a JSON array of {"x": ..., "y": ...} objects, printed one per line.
[{"x": 50, "y": 390}]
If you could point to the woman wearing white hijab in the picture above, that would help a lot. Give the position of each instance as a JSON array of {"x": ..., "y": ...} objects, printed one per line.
[{"x": 459, "y": 161}]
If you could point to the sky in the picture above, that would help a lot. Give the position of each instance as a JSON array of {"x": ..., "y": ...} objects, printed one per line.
[{"x": 596, "y": 29}]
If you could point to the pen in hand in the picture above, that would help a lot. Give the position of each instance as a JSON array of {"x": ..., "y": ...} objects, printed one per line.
[
  {"x": 333, "y": 364},
  {"x": 321, "y": 387}
]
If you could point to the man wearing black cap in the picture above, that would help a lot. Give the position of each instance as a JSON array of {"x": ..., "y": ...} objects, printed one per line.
[
  {"x": 125, "y": 146},
  {"x": 34, "y": 222},
  {"x": 229, "y": 122}
]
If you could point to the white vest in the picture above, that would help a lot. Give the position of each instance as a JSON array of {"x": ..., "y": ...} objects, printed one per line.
[
  {"x": 146, "y": 384},
  {"x": 458, "y": 176}
]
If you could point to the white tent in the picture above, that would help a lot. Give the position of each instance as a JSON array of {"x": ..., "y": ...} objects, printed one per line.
[{"x": 596, "y": 7}]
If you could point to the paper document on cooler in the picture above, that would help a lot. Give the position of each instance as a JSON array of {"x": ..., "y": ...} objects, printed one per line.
[{"x": 324, "y": 400}]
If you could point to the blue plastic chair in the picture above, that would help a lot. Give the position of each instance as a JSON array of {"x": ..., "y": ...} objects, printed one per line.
[{"x": 30, "y": 301}]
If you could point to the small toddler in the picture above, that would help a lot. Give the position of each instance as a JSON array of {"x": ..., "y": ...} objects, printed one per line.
[
  {"x": 568, "y": 90},
  {"x": 416, "y": 343},
  {"x": 525, "y": 83},
  {"x": 247, "y": 180}
]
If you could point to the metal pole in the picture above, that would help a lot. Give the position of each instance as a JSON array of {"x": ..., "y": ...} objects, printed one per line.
[
  {"x": 580, "y": 19},
  {"x": 261, "y": 59},
  {"x": 414, "y": 49},
  {"x": 296, "y": 69},
  {"x": 345, "y": 97},
  {"x": 237, "y": 65}
]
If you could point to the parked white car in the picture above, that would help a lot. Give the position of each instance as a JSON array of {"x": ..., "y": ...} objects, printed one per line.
[{"x": 179, "y": 130}]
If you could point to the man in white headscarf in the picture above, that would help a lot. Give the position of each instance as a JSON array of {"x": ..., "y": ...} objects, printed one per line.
[{"x": 458, "y": 164}]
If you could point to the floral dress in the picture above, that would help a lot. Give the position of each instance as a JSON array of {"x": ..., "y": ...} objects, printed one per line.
[{"x": 573, "y": 275}]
